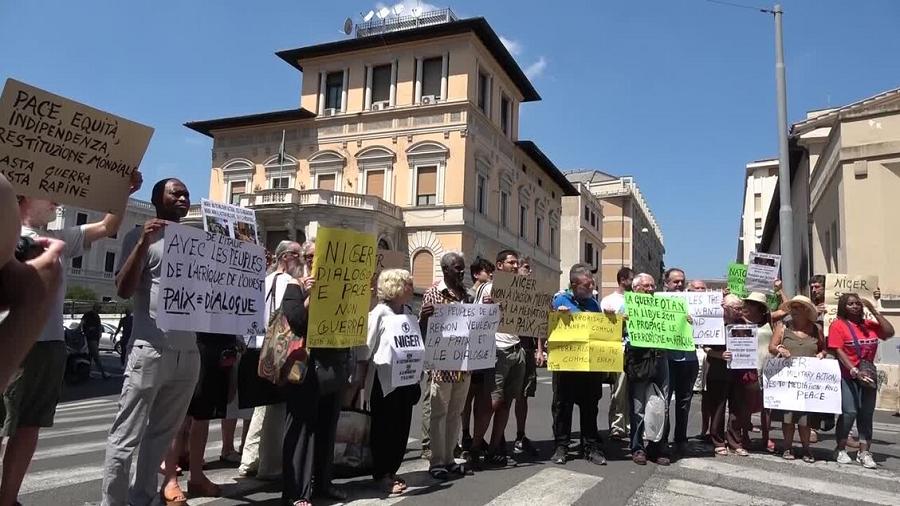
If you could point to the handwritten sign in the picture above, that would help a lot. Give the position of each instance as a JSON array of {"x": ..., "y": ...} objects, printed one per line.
[
  {"x": 233, "y": 221},
  {"x": 210, "y": 283},
  {"x": 525, "y": 301},
  {"x": 407, "y": 350},
  {"x": 802, "y": 384},
  {"x": 585, "y": 342},
  {"x": 57, "y": 149},
  {"x": 838, "y": 284},
  {"x": 762, "y": 272},
  {"x": 658, "y": 322},
  {"x": 742, "y": 342},
  {"x": 339, "y": 301},
  {"x": 706, "y": 312},
  {"x": 460, "y": 337},
  {"x": 737, "y": 273}
]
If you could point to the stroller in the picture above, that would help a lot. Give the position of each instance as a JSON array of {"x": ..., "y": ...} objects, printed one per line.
[{"x": 78, "y": 360}]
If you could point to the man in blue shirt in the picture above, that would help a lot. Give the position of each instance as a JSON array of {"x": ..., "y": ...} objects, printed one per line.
[{"x": 582, "y": 388}]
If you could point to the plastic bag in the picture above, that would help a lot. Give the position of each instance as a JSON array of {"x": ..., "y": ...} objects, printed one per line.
[
  {"x": 352, "y": 453},
  {"x": 654, "y": 414}
]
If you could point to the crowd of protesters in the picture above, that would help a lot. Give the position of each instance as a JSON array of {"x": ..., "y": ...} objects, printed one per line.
[{"x": 175, "y": 382}]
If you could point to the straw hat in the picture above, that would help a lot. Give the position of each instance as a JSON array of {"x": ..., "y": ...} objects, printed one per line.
[
  {"x": 757, "y": 297},
  {"x": 805, "y": 303}
]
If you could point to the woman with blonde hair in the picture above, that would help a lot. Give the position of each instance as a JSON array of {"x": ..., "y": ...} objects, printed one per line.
[{"x": 391, "y": 404}]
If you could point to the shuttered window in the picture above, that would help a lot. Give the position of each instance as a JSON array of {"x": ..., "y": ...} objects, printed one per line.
[
  {"x": 238, "y": 188},
  {"x": 426, "y": 186},
  {"x": 423, "y": 270},
  {"x": 326, "y": 182},
  {"x": 375, "y": 183}
]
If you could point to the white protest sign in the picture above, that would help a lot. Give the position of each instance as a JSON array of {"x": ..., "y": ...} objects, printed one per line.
[
  {"x": 235, "y": 222},
  {"x": 407, "y": 350},
  {"x": 762, "y": 271},
  {"x": 802, "y": 384},
  {"x": 210, "y": 283},
  {"x": 742, "y": 342},
  {"x": 56, "y": 149},
  {"x": 706, "y": 313},
  {"x": 460, "y": 337}
]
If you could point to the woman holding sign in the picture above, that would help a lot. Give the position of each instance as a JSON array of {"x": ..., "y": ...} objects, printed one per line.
[
  {"x": 854, "y": 340},
  {"x": 801, "y": 336},
  {"x": 392, "y": 384}
]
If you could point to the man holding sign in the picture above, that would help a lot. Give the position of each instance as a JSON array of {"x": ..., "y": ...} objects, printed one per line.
[{"x": 582, "y": 388}]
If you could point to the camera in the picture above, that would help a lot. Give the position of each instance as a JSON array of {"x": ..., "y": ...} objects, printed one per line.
[{"x": 27, "y": 249}]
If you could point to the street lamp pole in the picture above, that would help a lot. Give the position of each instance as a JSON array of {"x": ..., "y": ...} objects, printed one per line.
[{"x": 785, "y": 211}]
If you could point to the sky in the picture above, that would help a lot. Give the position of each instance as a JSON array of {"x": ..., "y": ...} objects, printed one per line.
[{"x": 679, "y": 94}]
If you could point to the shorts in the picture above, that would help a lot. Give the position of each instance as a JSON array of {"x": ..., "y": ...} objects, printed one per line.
[
  {"x": 30, "y": 399},
  {"x": 509, "y": 374},
  {"x": 529, "y": 385},
  {"x": 213, "y": 391}
]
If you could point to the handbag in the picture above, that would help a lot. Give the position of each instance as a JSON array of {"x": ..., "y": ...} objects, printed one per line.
[
  {"x": 640, "y": 364},
  {"x": 279, "y": 360},
  {"x": 352, "y": 448},
  {"x": 868, "y": 374}
]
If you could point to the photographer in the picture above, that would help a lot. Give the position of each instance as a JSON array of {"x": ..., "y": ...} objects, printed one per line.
[{"x": 31, "y": 399}]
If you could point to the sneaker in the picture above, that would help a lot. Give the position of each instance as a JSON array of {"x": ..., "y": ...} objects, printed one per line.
[
  {"x": 524, "y": 445},
  {"x": 865, "y": 458},
  {"x": 559, "y": 455},
  {"x": 596, "y": 457},
  {"x": 639, "y": 458},
  {"x": 842, "y": 457}
]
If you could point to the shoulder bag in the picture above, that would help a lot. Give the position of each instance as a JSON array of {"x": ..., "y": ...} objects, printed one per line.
[
  {"x": 868, "y": 374},
  {"x": 280, "y": 345}
]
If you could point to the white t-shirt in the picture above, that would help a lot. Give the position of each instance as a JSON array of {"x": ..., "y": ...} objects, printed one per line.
[
  {"x": 614, "y": 302},
  {"x": 74, "y": 239},
  {"x": 273, "y": 300},
  {"x": 504, "y": 341}
]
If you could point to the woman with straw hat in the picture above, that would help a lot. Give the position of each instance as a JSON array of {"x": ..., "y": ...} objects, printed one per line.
[{"x": 801, "y": 336}]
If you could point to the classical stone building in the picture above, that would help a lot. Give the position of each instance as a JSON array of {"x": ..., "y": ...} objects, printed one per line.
[
  {"x": 582, "y": 228},
  {"x": 409, "y": 131}
]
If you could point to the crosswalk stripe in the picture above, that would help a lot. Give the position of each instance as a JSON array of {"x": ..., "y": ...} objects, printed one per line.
[
  {"x": 548, "y": 486},
  {"x": 892, "y": 428},
  {"x": 93, "y": 407},
  {"x": 53, "y": 433},
  {"x": 70, "y": 449},
  {"x": 716, "y": 494},
  {"x": 106, "y": 415},
  {"x": 88, "y": 402},
  {"x": 832, "y": 488},
  {"x": 832, "y": 466}
]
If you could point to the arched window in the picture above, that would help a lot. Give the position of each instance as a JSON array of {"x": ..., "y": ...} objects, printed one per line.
[
  {"x": 423, "y": 270},
  {"x": 376, "y": 165},
  {"x": 326, "y": 170},
  {"x": 427, "y": 161}
]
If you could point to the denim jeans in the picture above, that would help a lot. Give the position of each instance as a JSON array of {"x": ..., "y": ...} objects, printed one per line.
[{"x": 857, "y": 405}]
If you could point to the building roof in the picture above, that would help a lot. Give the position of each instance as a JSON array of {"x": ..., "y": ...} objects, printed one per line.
[
  {"x": 205, "y": 127},
  {"x": 829, "y": 117},
  {"x": 535, "y": 153},
  {"x": 589, "y": 176},
  {"x": 479, "y": 26}
]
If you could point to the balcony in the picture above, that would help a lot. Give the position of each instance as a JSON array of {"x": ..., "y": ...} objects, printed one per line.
[
  {"x": 90, "y": 274},
  {"x": 286, "y": 197},
  {"x": 394, "y": 23}
]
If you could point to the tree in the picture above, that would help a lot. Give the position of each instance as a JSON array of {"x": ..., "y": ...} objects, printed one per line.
[{"x": 76, "y": 292}]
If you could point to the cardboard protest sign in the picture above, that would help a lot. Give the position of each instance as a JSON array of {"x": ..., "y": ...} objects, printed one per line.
[
  {"x": 742, "y": 342},
  {"x": 585, "y": 342},
  {"x": 210, "y": 283},
  {"x": 658, "y": 322},
  {"x": 802, "y": 384},
  {"x": 460, "y": 337},
  {"x": 707, "y": 314},
  {"x": 762, "y": 272},
  {"x": 57, "y": 149},
  {"x": 737, "y": 273},
  {"x": 233, "y": 221},
  {"x": 838, "y": 284},
  {"x": 339, "y": 301},
  {"x": 407, "y": 349},
  {"x": 525, "y": 303}
]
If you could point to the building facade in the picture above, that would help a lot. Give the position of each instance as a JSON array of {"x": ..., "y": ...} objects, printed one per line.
[
  {"x": 95, "y": 269},
  {"x": 582, "y": 228},
  {"x": 410, "y": 135},
  {"x": 759, "y": 185},
  {"x": 630, "y": 234}
]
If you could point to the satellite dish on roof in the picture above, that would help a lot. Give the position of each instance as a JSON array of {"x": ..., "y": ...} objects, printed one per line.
[
  {"x": 348, "y": 26},
  {"x": 368, "y": 17},
  {"x": 398, "y": 9},
  {"x": 383, "y": 12}
]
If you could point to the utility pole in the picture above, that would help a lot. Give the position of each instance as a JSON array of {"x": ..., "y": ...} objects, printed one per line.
[{"x": 785, "y": 211}]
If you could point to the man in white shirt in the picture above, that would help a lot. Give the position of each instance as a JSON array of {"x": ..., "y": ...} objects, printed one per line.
[
  {"x": 618, "y": 404},
  {"x": 30, "y": 400}
]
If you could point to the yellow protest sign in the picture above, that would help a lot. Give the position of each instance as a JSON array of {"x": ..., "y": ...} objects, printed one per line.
[
  {"x": 583, "y": 327},
  {"x": 590, "y": 356},
  {"x": 339, "y": 300},
  {"x": 585, "y": 342}
]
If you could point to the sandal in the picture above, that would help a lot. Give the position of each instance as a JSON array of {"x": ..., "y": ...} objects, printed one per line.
[
  {"x": 808, "y": 458},
  {"x": 204, "y": 489},
  {"x": 173, "y": 496},
  {"x": 742, "y": 452},
  {"x": 400, "y": 481},
  {"x": 439, "y": 473},
  {"x": 788, "y": 455},
  {"x": 302, "y": 502},
  {"x": 721, "y": 451},
  {"x": 461, "y": 470},
  {"x": 770, "y": 446}
]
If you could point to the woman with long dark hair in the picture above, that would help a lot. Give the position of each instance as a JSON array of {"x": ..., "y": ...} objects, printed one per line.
[{"x": 854, "y": 340}]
